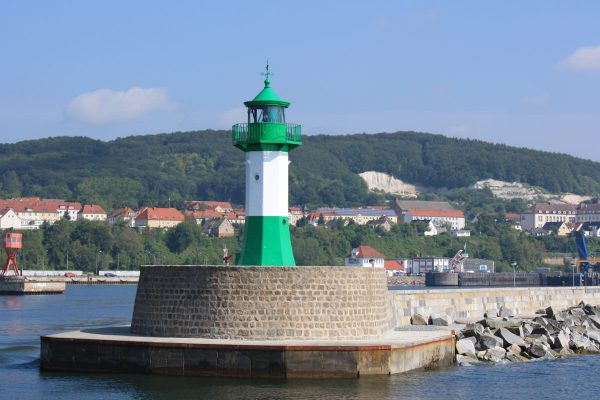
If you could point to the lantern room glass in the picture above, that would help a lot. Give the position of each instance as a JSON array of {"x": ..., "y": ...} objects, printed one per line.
[{"x": 266, "y": 114}]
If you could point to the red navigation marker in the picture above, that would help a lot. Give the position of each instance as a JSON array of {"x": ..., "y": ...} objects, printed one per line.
[{"x": 12, "y": 242}]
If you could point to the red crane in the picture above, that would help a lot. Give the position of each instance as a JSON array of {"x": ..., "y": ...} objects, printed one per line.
[{"x": 12, "y": 242}]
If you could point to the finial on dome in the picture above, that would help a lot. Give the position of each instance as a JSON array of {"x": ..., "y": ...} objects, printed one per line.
[{"x": 267, "y": 74}]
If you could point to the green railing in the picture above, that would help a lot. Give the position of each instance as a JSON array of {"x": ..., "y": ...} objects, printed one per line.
[{"x": 267, "y": 132}]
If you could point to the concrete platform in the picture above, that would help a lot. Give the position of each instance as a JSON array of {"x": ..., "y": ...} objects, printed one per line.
[
  {"x": 115, "y": 349},
  {"x": 22, "y": 286}
]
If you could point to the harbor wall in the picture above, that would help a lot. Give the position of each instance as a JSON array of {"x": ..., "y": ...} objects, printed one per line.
[
  {"x": 472, "y": 304},
  {"x": 216, "y": 302},
  {"x": 485, "y": 279},
  {"x": 21, "y": 286}
]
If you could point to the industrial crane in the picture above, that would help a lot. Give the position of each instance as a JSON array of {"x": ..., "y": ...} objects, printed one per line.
[
  {"x": 585, "y": 262},
  {"x": 456, "y": 263}
]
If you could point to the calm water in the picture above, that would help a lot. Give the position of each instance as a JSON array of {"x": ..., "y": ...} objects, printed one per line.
[{"x": 24, "y": 318}]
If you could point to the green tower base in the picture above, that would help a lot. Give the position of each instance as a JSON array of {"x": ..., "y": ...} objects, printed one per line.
[{"x": 267, "y": 242}]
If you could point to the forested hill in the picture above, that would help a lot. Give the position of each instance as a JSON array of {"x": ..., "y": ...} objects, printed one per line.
[{"x": 148, "y": 170}]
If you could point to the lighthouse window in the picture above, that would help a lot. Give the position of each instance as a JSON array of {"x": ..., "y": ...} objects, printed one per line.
[
  {"x": 256, "y": 177},
  {"x": 272, "y": 114}
]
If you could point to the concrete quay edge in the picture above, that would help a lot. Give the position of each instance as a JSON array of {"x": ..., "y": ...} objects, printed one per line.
[{"x": 114, "y": 350}]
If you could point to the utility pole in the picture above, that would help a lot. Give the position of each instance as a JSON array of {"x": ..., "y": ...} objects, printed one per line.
[
  {"x": 514, "y": 265},
  {"x": 97, "y": 254}
]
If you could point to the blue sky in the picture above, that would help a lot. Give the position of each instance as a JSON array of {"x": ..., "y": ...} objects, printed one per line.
[{"x": 524, "y": 73}]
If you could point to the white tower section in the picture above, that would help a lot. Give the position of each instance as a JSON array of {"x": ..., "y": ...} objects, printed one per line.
[{"x": 267, "y": 183}]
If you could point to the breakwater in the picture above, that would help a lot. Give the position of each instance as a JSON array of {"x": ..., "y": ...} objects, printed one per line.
[
  {"x": 549, "y": 335},
  {"x": 20, "y": 286},
  {"x": 473, "y": 303}
]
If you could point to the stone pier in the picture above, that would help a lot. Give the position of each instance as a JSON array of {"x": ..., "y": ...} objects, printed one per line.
[{"x": 275, "y": 322}]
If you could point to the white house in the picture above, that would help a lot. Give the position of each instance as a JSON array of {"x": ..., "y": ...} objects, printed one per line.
[
  {"x": 541, "y": 213},
  {"x": 440, "y": 213},
  {"x": 125, "y": 214},
  {"x": 588, "y": 213},
  {"x": 421, "y": 265},
  {"x": 92, "y": 212},
  {"x": 365, "y": 256},
  {"x": 8, "y": 219}
]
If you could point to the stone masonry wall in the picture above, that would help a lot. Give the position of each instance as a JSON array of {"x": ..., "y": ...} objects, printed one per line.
[
  {"x": 261, "y": 302},
  {"x": 473, "y": 303}
]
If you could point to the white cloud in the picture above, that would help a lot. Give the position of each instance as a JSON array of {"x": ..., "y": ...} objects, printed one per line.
[
  {"x": 583, "y": 59},
  {"x": 105, "y": 105},
  {"x": 234, "y": 116}
]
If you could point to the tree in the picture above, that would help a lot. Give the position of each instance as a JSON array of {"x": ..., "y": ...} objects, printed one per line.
[
  {"x": 57, "y": 240},
  {"x": 182, "y": 236}
]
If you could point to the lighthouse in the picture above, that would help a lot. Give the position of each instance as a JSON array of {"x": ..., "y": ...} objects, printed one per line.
[{"x": 267, "y": 140}]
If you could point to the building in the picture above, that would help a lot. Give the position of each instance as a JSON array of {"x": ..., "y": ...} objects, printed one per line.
[
  {"x": 360, "y": 216},
  {"x": 557, "y": 228},
  {"x": 588, "y": 213},
  {"x": 295, "y": 214},
  {"x": 459, "y": 233},
  {"x": 364, "y": 256},
  {"x": 200, "y": 205},
  {"x": 34, "y": 211},
  {"x": 237, "y": 217},
  {"x": 382, "y": 222},
  {"x": 125, "y": 214},
  {"x": 154, "y": 217},
  {"x": 218, "y": 227},
  {"x": 9, "y": 219},
  {"x": 422, "y": 265},
  {"x": 432, "y": 229},
  {"x": 591, "y": 229},
  {"x": 541, "y": 213},
  {"x": 395, "y": 267},
  {"x": 440, "y": 213},
  {"x": 452, "y": 219},
  {"x": 203, "y": 215},
  {"x": 92, "y": 212},
  {"x": 401, "y": 205},
  {"x": 478, "y": 265}
]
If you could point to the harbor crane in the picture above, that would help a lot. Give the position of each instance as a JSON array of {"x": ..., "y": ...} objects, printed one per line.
[
  {"x": 585, "y": 262},
  {"x": 456, "y": 263}
]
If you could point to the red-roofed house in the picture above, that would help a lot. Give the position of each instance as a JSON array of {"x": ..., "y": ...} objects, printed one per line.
[
  {"x": 364, "y": 256},
  {"x": 153, "y": 217},
  {"x": 455, "y": 218},
  {"x": 34, "y": 211},
  {"x": 201, "y": 216},
  {"x": 92, "y": 212},
  {"x": 395, "y": 267},
  {"x": 124, "y": 214},
  {"x": 220, "y": 206},
  {"x": 237, "y": 216}
]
